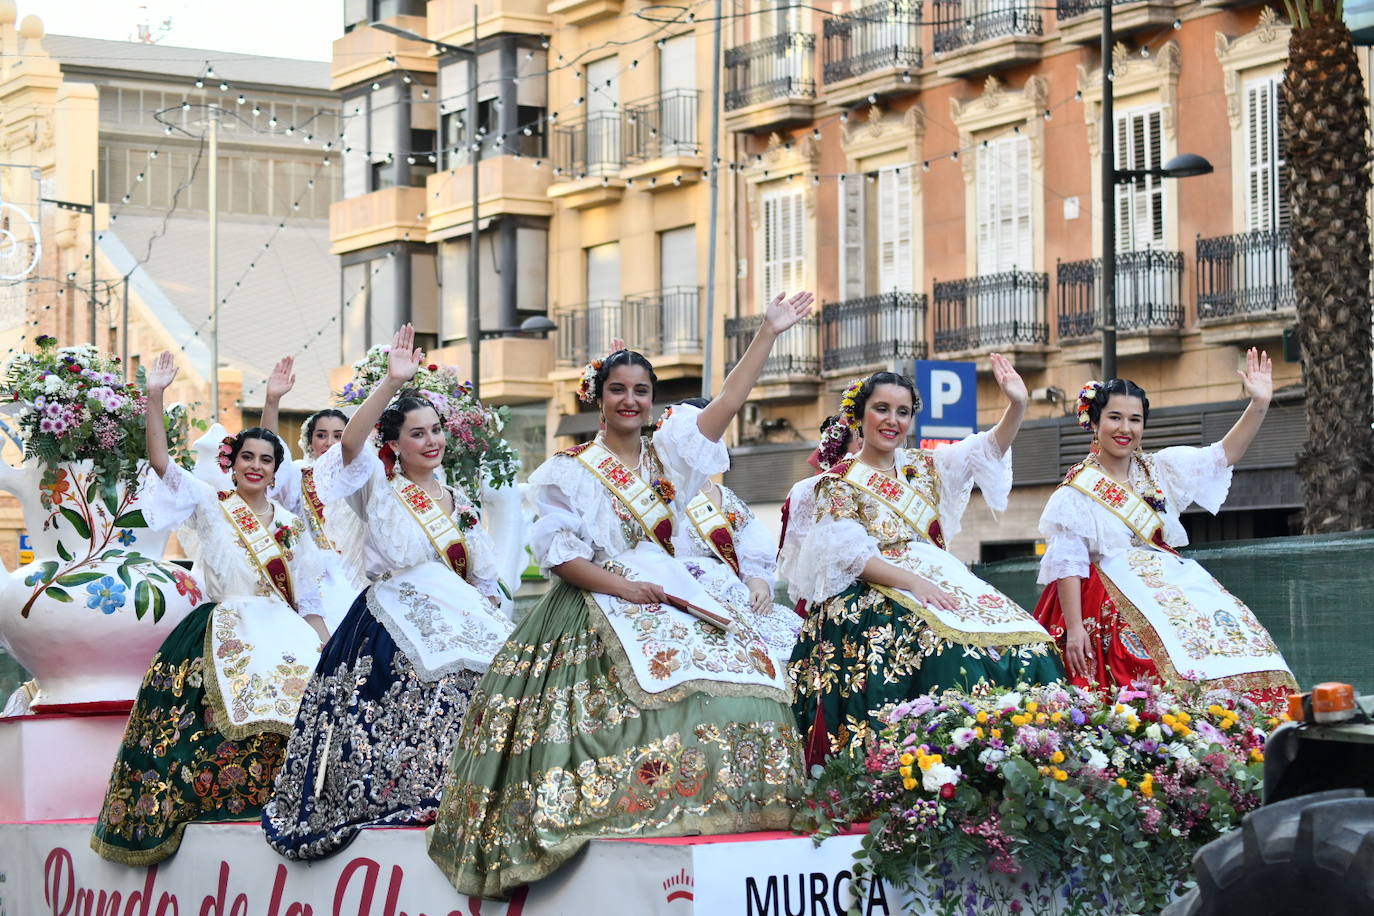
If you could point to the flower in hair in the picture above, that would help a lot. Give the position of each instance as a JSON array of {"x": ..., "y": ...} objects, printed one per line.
[
  {"x": 226, "y": 453},
  {"x": 848, "y": 413},
  {"x": 1086, "y": 397},
  {"x": 586, "y": 390}
]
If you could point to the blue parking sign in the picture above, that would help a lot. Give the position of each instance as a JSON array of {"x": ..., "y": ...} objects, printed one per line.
[{"x": 949, "y": 395}]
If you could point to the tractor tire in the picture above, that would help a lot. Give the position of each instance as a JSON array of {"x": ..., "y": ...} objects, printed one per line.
[{"x": 1308, "y": 855}]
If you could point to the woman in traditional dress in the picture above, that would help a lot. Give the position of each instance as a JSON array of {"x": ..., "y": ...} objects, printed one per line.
[
  {"x": 209, "y": 725},
  {"x": 337, "y": 531},
  {"x": 731, "y": 554},
  {"x": 893, "y": 614},
  {"x": 612, "y": 712},
  {"x": 382, "y": 711},
  {"x": 1118, "y": 598}
]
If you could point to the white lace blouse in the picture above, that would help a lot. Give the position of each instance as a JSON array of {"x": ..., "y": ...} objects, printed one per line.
[
  {"x": 341, "y": 523},
  {"x": 222, "y": 564},
  {"x": 579, "y": 517},
  {"x": 393, "y": 540},
  {"x": 824, "y": 554},
  {"x": 753, "y": 541},
  {"x": 1079, "y": 531}
]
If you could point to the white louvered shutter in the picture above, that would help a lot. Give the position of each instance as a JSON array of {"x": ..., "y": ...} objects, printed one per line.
[
  {"x": 895, "y": 230},
  {"x": 852, "y": 239}
]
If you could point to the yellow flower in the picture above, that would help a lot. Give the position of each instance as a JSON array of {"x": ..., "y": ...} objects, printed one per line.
[
  {"x": 996, "y": 733},
  {"x": 1020, "y": 720},
  {"x": 908, "y": 783},
  {"x": 1184, "y": 718},
  {"x": 1226, "y": 723},
  {"x": 1216, "y": 710},
  {"x": 929, "y": 761},
  {"x": 1057, "y": 717},
  {"x": 1257, "y": 755},
  {"x": 906, "y": 760},
  {"x": 1032, "y": 706},
  {"x": 1044, "y": 770},
  {"x": 1132, "y": 722},
  {"x": 1041, "y": 718},
  {"x": 978, "y": 733},
  {"x": 1060, "y": 775},
  {"x": 982, "y": 717},
  {"x": 1147, "y": 787},
  {"x": 1057, "y": 757},
  {"x": 905, "y": 771},
  {"x": 1121, "y": 781},
  {"x": 1118, "y": 709},
  {"x": 1168, "y": 719},
  {"x": 1273, "y": 722},
  {"x": 1183, "y": 730}
]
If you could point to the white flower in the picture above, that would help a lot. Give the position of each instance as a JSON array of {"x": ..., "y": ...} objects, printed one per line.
[
  {"x": 1097, "y": 760},
  {"x": 1178, "y": 750},
  {"x": 1009, "y": 701},
  {"x": 992, "y": 755},
  {"x": 1119, "y": 758},
  {"x": 53, "y": 384},
  {"x": 963, "y": 737},
  {"x": 1154, "y": 732},
  {"x": 940, "y": 775}
]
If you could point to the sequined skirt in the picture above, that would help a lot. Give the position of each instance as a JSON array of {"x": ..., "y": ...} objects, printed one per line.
[
  {"x": 563, "y": 747},
  {"x": 369, "y": 745}
]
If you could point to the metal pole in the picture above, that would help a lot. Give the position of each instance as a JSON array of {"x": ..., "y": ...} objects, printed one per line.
[
  {"x": 708, "y": 349},
  {"x": 124, "y": 332},
  {"x": 1108, "y": 201},
  {"x": 94, "y": 329},
  {"x": 214, "y": 266},
  {"x": 474, "y": 237}
]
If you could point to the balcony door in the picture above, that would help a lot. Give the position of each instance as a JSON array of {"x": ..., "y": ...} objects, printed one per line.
[
  {"x": 679, "y": 319},
  {"x": 877, "y": 207},
  {"x": 1005, "y": 238},
  {"x": 1265, "y": 257},
  {"x": 603, "y": 116},
  {"x": 677, "y": 95},
  {"x": 604, "y": 321},
  {"x": 1140, "y": 216}
]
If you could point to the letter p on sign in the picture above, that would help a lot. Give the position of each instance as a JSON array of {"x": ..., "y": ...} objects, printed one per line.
[
  {"x": 946, "y": 388},
  {"x": 949, "y": 391}
]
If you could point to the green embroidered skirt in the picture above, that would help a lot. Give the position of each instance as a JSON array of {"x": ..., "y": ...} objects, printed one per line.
[
  {"x": 174, "y": 766},
  {"x": 860, "y": 651},
  {"x": 560, "y": 746}
]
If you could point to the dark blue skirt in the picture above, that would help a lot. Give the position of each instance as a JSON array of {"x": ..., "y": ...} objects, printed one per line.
[{"x": 381, "y": 735}]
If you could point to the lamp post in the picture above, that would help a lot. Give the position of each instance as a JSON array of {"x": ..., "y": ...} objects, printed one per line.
[
  {"x": 1185, "y": 165},
  {"x": 88, "y": 209}
]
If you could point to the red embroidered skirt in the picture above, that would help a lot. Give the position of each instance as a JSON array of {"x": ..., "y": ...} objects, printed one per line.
[{"x": 1119, "y": 655}]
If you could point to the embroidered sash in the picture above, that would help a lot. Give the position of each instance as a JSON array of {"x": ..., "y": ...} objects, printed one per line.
[
  {"x": 266, "y": 554},
  {"x": 910, "y": 504},
  {"x": 644, "y": 503},
  {"x": 1121, "y": 501},
  {"x": 714, "y": 528},
  {"x": 314, "y": 510},
  {"x": 448, "y": 541}
]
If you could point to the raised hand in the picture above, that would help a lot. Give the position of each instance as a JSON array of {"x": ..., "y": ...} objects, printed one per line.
[
  {"x": 1011, "y": 383},
  {"x": 782, "y": 314},
  {"x": 282, "y": 379},
  {"x": 1257, "y": 378},
  {"x": 405, "y": 358},
  {"x": 617, "y": 344},
  {"x": 162, "y": 373}
]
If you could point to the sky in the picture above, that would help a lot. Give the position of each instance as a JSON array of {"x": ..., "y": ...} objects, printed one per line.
[{"x": 302, "y": 29}]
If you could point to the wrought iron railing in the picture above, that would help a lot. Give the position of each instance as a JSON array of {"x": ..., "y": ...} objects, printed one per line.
[
  {"x": 873, "y": 331},
  {"x": 1068, "y": 9},
  {"x": 779, "y": 67},
  {"x": 665, "y": 321},
  {"x": 1149, "y": 293},
  {"x": 795, "y": 354},
  {"x": 665, "y": 125},
  {"x": 590, "y": 145},
  {"x": 586, "y": 329},
  {"x": 1244, "y": 274},
  {"x": 989, "y": 311},
  {"x": 962, "y": 23},
  {"x": 885, "y": 34}
]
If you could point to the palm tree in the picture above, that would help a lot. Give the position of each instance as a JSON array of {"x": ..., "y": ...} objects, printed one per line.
[{"x": 1325, "y": 123}]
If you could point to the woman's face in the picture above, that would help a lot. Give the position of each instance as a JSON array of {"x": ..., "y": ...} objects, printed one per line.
[
  {"x": 887, "y": 417},
  {"x": 420, "y": 445},
  {"x": 1121, "y": 426},
  {"x": 626, "y": 399},
  {"x": 328, "y": 430},
  {"x": 254, "y": 468}
]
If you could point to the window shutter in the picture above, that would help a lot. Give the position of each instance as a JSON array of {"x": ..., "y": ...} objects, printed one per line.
[
  {"x": 887, "y": 232},
  {"x": 1140, "y": 216},
  {"x": 784, "y": 244},
  {"x": 1024, "y": 247},
  {"x": 985, "y": 185},
  {"x": 1280, "y": 179},
  {"x": 852, "y": 239},
  {"x": 901, "y": 193}
]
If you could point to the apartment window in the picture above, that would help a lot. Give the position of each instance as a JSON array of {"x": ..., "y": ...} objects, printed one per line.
[
  {"x": 677, "y": 272},
  {"x": 603, "y": 296},
  {"x": 877, "y": 206},
  {"x": 603, "y": 116},
  {"x": 1140, "y": 204},
  {"x": 783, "y": 17},
  {"x": 1005, "y": 231},
  {"x": 677, "y": 83},
  {"x": 1266, "y": 200},
  {"x": 784, "y": 243}
]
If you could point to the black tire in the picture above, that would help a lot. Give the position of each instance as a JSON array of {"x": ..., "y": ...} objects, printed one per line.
[{"x": 1308, "y": 855}]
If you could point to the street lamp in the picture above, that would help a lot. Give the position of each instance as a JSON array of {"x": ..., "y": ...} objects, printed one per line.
[
  {"x": 537, "y": 326},
  {"x": 1186, "y": 165}
]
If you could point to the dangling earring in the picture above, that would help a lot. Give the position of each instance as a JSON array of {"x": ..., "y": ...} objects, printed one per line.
[
  {"x": 1094, "y": 448},
  {"x": 234, "y": 478}
]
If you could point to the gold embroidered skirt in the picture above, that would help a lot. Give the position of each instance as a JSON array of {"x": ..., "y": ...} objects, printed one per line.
[{"x": 561, "y": 746}]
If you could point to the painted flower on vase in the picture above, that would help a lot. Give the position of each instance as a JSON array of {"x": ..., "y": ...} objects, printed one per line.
[
  {"x": 105, "y": 594},
  {"x": 186, "y": 585},
  {"x": 126, "y": 536}
]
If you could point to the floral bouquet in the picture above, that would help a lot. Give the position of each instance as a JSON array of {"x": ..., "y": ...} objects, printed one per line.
[
  {"x": 74, "y": 404},
  {"x": 476, "y": 449},
  {"x": 1054, "y": 798}
]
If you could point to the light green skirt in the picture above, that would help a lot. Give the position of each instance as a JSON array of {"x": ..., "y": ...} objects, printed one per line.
[{"x": 560, "y": 746}]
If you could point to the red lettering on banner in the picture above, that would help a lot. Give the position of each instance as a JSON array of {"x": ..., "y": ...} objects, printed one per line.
[
  {"x": 215, "y": 905},
  {"x": 278, "y": 889},
  {"x": 143, "y": 897},
  {"x": 58, "y": 877},
  {"x": 370, "y": 869}
]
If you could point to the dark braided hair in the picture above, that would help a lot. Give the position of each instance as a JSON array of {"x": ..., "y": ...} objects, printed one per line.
[
  {"x": 394, "y": 417},
  {"x": 319, "y": 415},
  {"x": 836, "y": 435},
  {"x": 622, "y": 358},
  {"x": 1120, "y": 386},
  {"x": 258, "y": 432}
]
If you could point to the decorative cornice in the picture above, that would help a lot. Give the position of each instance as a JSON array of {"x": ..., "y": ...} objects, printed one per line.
[
  {"x": 1267, "y": 44},
  {"x": 1133, "y": 75},
  {"x": 1000, "y": 108}
]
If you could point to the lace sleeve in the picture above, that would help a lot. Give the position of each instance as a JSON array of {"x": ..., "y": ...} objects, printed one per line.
[
  {"x": 482, "y": 572},
  {"x": 974, "y": 461},
  {"x": 688, "y": 456},
  {"x": 335, "y": 481},
  {"x": 829, "y": 556},
  {"x": 307, "y": 569},
  {"x": 286, "y": 488},
  {"x": 757, "y": 559},
  {"x": 1194, "y": 475},
  {"x": 1065, "y": 555},
  {"x": 168, "y": 501},
  {"x": 559, "y": 534}
]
